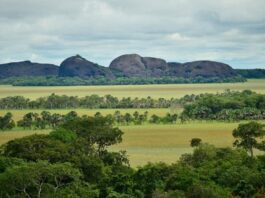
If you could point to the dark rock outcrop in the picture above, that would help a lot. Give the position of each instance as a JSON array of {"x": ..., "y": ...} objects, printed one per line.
[
  {"x": 133, "y": 65},
  {"x": 129, "y": 65},
  {"x": 205, "y": 69},
  {"x": 79, "y": 66},
  {"x": 27, "y": 68}
]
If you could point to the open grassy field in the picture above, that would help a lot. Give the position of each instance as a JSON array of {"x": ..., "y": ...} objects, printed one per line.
[
  {"x": 158, "y": 142},
  {"x": 167, "y": 143},
  {"x": 155, "y": 91}
]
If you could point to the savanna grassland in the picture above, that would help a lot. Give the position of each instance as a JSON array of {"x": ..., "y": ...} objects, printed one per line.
[
  {"x": 147, "y": 142},
  {"x": 141, "y": 91},
  {"x": 157, "y": 142}
]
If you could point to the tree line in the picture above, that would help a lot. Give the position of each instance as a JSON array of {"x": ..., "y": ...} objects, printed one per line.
[
  {"x": 227, "y": 106},
  {"x": 251, "y": 73},
  {"x": 94, "y": 101},
  {"x": 74, "y": 161},
  {"x": 74, "y": 81},
  {"x": 45, "y": 119},
  {"x": 54, "y": 101}
]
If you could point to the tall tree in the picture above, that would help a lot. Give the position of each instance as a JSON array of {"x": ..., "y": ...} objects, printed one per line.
[{"x": 247, "y": 136}]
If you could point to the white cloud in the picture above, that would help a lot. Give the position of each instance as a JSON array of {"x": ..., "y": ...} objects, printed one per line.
[
  {"x": 178, "y": 37},
  {"x": 176, "y": 30}
]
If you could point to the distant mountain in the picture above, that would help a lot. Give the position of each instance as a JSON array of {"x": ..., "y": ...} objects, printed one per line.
[
  {"x": 207, "y": 69},
  {"x": 133, "y": 65},
  {"x": 79, "y": 66},
  {"x": 27, "y": 68},
  {"x": 128, "y": 65}
]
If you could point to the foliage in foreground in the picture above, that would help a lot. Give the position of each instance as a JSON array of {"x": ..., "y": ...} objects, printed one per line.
[{"x": 73, "y": 161}]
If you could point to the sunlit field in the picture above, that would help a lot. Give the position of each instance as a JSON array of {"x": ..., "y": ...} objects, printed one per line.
[
  {"x": 167, "y": 143},
  {"x": 120, "y": 91},
  {"x": 156, "y": 143}
]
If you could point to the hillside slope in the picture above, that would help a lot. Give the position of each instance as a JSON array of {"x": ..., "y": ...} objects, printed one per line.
[
  {"x": 79, "y": 66},
  {"x": 27, "y": 68}
]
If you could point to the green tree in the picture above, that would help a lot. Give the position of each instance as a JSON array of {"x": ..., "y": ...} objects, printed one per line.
[
  {"x": 37, "y": 147},
  {"x": 27, "y": 121},
  {"x": 128, "y": 118},
  {"x": 63, "y": 135},
  {"x": 6, "y": 122},
  {"x": 37, "y": 179},
  {"x": 155, "y": 119},
  {"x": 247, "y": 135},
  {"x": 96, "y": 131},
  {"x": 244, "y": 190},
  {"x": 195, "y": 142}
]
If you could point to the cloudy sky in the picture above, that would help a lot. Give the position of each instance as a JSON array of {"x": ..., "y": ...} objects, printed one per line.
[{"x": 231, "y": 31}]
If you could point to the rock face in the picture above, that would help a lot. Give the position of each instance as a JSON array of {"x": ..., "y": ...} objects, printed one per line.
[
  {"x": 128, "y": 65},
  {"x": 79, "y": 66},
  {"x": 27, "y": 68},
  {"x": 205, "y": 69},
  {"x": 133, "y": 65}
]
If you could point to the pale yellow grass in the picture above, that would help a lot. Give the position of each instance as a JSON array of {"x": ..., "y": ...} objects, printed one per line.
[
  {"x": 155, "y": 91},
  {"x": 167, "y": 143},
  {"x": 154, "y": 143}
]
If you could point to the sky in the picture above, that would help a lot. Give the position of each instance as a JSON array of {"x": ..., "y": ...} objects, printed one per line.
[{"x": 48, "y": 31}]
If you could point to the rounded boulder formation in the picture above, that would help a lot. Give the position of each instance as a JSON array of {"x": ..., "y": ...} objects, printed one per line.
[
  {"x": 133, "y": 65},
  {"x": 79, "y": 66}
]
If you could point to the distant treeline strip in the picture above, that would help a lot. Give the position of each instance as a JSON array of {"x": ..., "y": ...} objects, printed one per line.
[
  {"x": 251, "y": 73},
  {"x": 90, "y": 102},
  {"x": 46, "y": 119},
  {"x": 75, "y": 81}
]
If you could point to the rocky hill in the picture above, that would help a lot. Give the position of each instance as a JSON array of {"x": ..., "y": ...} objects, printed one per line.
[
  {"x": 133, "y": 65},
  {"x": 128, "y": 65},
  {"x": 205, "y": 69},
  {"x": 79, "y": 66},
  {"x": 27, "y": 68}
]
